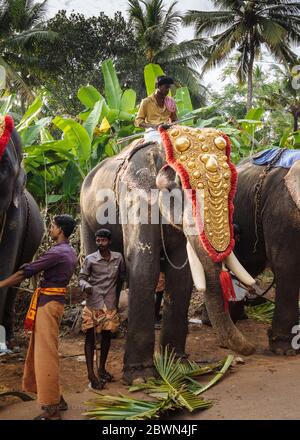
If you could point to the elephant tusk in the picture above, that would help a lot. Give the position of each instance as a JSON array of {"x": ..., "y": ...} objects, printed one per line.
[
  {"x": 240, "y": 272},
  {"x": 197, "y": 270}
]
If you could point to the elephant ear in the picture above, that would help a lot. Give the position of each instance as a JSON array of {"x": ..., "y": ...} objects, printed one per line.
[
  {"x": 166, "y": 178},
  {"x": 292, "y": 182},
  {"x": 19, "y": 187}
]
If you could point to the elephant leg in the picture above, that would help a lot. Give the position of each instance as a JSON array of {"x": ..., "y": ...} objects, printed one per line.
[
  {"x": 87, "y": 236},
  {"x": 286, "y": 314},
  {"x": 176, "y": 302},
  {"x": 8, "y": 257},
  {"x": 142, "y": 250}
]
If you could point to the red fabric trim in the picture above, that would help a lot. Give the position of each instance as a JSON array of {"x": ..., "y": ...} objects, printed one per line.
[
  {"x": 9, "y": 126},
  {"x": 227, "y": 288},
  {"x": 214, "y": 255}
]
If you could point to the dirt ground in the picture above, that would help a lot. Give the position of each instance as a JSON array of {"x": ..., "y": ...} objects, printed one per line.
[{"x": 264, "y": 387}]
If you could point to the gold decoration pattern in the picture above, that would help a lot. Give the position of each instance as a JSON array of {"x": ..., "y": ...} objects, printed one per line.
[
  {"x": 2, "y": 125},
  {"x": 202, "y": 152}
]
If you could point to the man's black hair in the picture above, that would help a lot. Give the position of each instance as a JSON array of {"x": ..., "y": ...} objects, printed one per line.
[
  {"x": 163, "y": 79},
  {"x": 104, "y": 233},
  {"x": 66, "y": 223}
]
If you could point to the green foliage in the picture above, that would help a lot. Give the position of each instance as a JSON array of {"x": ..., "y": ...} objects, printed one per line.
[
  {"x": 262, "y": 312},
  {"x": 151, "y": 72},
  {"x": 20, "y": 28},
  {"x": 248, "y": 26},
  {"x": 183, "y": 102},
  {"x": 84, "y": 43}
]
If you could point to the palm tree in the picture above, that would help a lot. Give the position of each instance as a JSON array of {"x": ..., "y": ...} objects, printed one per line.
[
  {"x": 156, "y": 29},
  {"x": 20, "y": 26},
  {"x": 285, "y": 96},
  {"x": 248, "y": 26}
]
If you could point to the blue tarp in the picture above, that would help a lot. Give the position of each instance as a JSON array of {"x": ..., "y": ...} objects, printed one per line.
[{"x": 286, "y": 160}]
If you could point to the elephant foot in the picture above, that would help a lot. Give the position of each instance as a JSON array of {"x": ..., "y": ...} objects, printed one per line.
[
  {"x": 134, "y": 375},
  {"x": 238, "y": 343},
  {"x": 281, "y": 345}
]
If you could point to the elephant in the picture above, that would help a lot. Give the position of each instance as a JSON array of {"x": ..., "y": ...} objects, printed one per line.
[
  {"x": 21, "y": 225},
  {"x": 110, "y": 198},
  {"x": 269, "y": 221}
]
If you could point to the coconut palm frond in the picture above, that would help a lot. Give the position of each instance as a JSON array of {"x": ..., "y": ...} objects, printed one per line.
[
  {"x": 193, "y": 369},
  {"x": 30, "y": 35},
  {"x": 14, "y": 78},
  {"x": 217, "y": 377},
  {"x": 175, "y": 389},
  {"x": 125, "y": 408}
]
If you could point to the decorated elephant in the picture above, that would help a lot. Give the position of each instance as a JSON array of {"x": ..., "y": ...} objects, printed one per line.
[
  {"x": 267, "y": 210},
  {"x": 21, "y": 225},
  {"x": 188, "y": 185}
]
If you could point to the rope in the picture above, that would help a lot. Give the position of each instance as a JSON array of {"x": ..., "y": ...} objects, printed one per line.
[{"x": 258, "y": 196}]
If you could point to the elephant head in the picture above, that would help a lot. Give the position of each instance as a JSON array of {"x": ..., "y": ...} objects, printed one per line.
[
  {"x": 200, "y": 175},
  {"x": 12, "y": 175}
]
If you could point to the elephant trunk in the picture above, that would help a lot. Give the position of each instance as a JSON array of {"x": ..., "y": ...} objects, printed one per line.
[{"x": 228, "y": 333}]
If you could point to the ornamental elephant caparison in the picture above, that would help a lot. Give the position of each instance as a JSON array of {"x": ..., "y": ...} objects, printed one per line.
[
  {"x": 270, "y": 237},
  {"x": 201, "y": 158},
  {"x": 21, "y": 225}
]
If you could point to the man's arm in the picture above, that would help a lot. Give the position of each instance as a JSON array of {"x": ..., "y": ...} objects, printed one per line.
[
  {"x": 44, "y": 262},
  {"x": 84, "y": 275},
  {"x": 141, "y": 117},
  {"x": 28, "y": 270},
  {"x": 13, "y": 280}
]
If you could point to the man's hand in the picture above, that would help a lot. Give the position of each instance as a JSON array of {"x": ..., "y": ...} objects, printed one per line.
[{"x": 13, "y": 280}]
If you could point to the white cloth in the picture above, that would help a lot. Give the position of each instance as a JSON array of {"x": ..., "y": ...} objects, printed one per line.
[
  {"x": 240, "y": 292},
  {"x": 152, "y": 135}
]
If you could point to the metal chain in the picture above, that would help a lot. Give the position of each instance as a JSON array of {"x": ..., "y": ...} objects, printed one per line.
[{"x": 165, "y": 250}]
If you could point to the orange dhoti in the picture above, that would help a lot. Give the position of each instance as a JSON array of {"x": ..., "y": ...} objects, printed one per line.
[{"x": 41, "y": 370}]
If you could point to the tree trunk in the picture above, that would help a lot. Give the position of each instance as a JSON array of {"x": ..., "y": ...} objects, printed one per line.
[
  {"x": 296, "y": 116},
  {"x": 250, "y": 78}
]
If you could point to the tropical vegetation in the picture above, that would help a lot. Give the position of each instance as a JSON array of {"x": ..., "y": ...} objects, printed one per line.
[{"x": 248, "y": 27}]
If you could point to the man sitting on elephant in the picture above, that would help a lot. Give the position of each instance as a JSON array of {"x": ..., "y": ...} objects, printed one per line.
[
  {"x": 157, "y": 109},
  {"x": 41, "y": 371}
]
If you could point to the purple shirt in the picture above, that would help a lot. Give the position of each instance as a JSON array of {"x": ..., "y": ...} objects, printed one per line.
[{"x": 58, "y": 265}]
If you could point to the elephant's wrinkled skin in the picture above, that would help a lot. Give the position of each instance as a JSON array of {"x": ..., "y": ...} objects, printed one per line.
[
  {"x": 278, "y": 245},
  {"x": 142, "y": 248},
  {"x": 23, "y": 228}
]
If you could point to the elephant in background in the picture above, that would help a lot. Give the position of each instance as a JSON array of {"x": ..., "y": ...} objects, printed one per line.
[
  {"x": 21, "y": 225},
  {"x": 271, "y": 238},
  {"x": 143, "y": 166}
]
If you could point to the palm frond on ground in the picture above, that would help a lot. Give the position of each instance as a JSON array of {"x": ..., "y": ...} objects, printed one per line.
[{"x": 175, "y": 389}]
